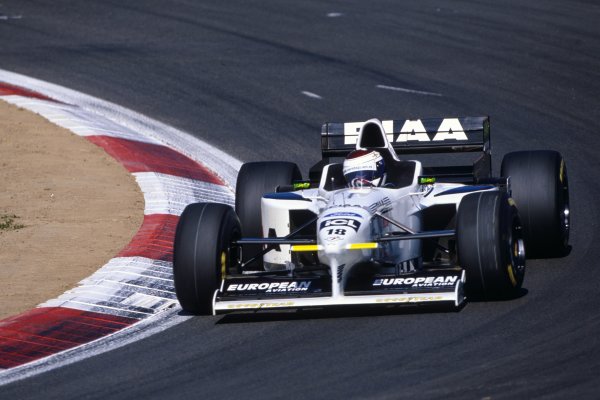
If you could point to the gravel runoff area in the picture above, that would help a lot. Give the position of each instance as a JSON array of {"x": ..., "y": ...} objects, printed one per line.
[{"x": 66, "y": 208}]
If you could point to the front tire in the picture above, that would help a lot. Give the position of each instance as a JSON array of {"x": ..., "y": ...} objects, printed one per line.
[
  {"x": 539, "y": 185},
  {"x": 490, "y": 245},
  {"x": 203, "y": 253}
]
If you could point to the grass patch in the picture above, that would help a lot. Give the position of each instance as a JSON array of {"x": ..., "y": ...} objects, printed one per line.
[{"x": 7, "y": 222}]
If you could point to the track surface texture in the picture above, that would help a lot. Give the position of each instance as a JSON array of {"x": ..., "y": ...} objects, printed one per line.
[{"x": 233, "y": 74}]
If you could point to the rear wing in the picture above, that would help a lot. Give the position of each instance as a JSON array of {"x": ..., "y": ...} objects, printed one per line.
[
  {"x": 430, "y": 135},
  {"x": 422, "y": 136}
]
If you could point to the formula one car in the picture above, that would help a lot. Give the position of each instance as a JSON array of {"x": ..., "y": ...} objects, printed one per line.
[{"x": 371, "y": 228}]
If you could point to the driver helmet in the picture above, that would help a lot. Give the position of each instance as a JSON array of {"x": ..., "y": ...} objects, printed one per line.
[{"x": 364, "y": 168}]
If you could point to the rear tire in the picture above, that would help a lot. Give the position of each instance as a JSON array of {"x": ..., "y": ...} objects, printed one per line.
[
  {"x": 254, "y": 180},
  {"x": 203, "y": 253},
  {"x": 539, "y": 185},
  {"x": 490, "y": 245}
]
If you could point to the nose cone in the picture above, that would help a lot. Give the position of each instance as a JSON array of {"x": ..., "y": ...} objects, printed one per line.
[{"x": 339, "y": 228}]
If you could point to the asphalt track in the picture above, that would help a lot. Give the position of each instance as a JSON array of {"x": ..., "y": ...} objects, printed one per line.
[{"x": 233, "y": 73}]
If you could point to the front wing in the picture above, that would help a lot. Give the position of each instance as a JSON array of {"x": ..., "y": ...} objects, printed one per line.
[{"x": 254, "y": 293}]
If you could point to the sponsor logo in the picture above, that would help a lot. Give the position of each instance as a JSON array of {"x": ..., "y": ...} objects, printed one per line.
[
  {"x": 301, "y": 185},
  {"x": 381, "y": 203},
  {"x": 352, "y": 129},
  {"x": 343, "y": 214},
  {"x": 335, "y": 237},
  {"x": 272, "y": 287},
  {"x": 412, "y": 299},
  {"x": 429, "y": 281},
  {"x": 450, "y": 129},
  {"x": 340, "y": 222},
  {"x": 411, "y": 131},
  {"x": 426, "y": 180},
  {"x": 260, "y": 305}
]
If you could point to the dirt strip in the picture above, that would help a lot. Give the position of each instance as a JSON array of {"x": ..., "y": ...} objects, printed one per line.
[{"x": 79, "y": 207}]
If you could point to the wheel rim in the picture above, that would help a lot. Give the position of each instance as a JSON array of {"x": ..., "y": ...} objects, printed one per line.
[
  {"x": 565, "y": 212},
  {"x": 566, "y": 216},
  {"x": 223, "y": 264},
  {"x": 516, "y": 267}
]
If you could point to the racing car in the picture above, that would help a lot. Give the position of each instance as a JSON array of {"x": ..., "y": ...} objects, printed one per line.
[{"x": 371, "y": 226}]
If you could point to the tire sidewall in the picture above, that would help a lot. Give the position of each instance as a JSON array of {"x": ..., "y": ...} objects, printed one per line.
[
  {"x": 539, "y": 186},
  {"x": 204, "y": 232},
  {"x": 488, "y": 226}
]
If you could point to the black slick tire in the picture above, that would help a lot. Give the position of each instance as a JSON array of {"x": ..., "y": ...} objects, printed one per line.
[
  {"x": 490, "y": 246},
  {"x": 203, "y": 253},
  {"x": 539, "y": 186},
  {"x": 254, "y": 180}
]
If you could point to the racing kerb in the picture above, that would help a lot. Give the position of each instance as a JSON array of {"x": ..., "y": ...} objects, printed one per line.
[{"x": 132, "y": 295}]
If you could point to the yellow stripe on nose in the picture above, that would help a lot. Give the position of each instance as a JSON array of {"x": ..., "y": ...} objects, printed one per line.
[
  {"x": 306, "y": 247},
  {"x": 362, "y": 246}
]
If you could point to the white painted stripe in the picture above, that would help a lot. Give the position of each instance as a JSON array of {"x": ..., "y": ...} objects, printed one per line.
[
  {"x": 134, "y": 284},
  {"x": 7, "y": 17},
  {"x": 399, "y": 89},
  {"x": 76, "y": 120},
  {"x": 139, "y": 264},
  {"x": 168, "y": 194},
  {"x": 140, "y": 271},
  {"x": 143, "y": 262},
  {"x": 109, "y": 290},
  {"x": 125, "y": 281},
  {"x": 145, "y": 301},
  {"x": 119, "y": 293},
  {"x": 120, "y": 275},
  {"x": 92, "y": 293},
  {"x": 334, "y": 14},
  {"x": 311, "y": 95},
  {"x": 111, "y": 308},
  {"x": 83, "y": 303}
]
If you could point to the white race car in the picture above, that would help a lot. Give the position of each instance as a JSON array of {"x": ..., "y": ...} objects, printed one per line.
[{"x": 375, "y": 229}]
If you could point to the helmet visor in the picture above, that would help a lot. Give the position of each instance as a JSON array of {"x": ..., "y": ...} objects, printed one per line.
[{"x": 363, "y": 178}]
